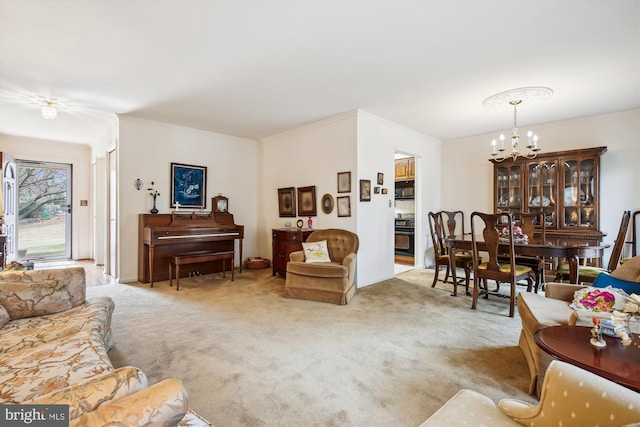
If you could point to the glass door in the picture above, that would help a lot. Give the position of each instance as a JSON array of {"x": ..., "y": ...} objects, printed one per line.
[
  {"x": 508, "y": 194},
  {"x": 44, "y": 211},
  {"x": 542, "y": 193},
  {"x": 579, "y": 196}
]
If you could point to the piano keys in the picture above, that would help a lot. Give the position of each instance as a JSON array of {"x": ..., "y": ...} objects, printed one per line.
[{"x": 163, "y": 235}]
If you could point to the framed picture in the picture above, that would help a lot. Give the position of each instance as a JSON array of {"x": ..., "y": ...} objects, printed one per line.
[
  {"x": 344, "y": 206},
  {"x": 376, "y": 190},
  {"x": 307, "y": 201},
  {"x": 365, "y": 190},
  {"x": 384, "y": 191},
  {"x": 344, "y": 182},
  {"x": 326, "y": 203},
  {"x": 380, "y": 178},
  {"x": 188, "y": 186},
  {"x": 287, "y": 201}
]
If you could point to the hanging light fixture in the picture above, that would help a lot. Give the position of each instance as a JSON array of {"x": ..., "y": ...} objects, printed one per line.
[
  {"x": 49, "y": 110},
  {"x": 515, "y": 97}
]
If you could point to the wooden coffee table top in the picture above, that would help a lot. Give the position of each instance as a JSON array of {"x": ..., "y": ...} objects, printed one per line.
[{"x": 571, "y": 344}]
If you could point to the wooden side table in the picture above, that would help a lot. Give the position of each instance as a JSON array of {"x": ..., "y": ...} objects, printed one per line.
[
  {"x": 285, "y": 241},
  {"x": 615, "y": 362}
]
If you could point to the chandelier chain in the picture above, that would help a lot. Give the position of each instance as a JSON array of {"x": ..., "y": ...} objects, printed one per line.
[{"x": 499, "y": 153}]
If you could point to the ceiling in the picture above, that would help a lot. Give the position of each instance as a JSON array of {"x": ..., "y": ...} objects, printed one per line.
[{"x": 257, "y": 68}]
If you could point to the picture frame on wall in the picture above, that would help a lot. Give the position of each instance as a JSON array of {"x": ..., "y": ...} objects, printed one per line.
[
  {"x": 376, "y": 190},
  {"x": 384, "y": 191},
  {"x": 287, "y": 202},
  {"x": 343, "y": 204},
  {"x": 188, "y": 186},
  {"x": 344, "y": 182},
  {"x": 365, "y": 190},
  {"x": 307, "y": 201},
  {"x": 380, "y": 178},
  {"x": 326, "y": 203}
]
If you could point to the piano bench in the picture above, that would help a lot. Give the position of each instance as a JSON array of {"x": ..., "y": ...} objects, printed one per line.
[{"x": 197, "y": 257}]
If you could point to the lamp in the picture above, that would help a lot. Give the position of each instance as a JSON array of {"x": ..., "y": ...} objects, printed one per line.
[
  {"x": 49, "y": 110},
  {"x": 515, "y": 97}
]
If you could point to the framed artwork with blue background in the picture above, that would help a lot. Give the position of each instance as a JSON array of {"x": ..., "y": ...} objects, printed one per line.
[{"x": 188, "y": 186}]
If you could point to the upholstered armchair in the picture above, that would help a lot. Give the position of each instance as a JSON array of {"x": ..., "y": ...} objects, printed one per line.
[{"x": 329, "y": 280}]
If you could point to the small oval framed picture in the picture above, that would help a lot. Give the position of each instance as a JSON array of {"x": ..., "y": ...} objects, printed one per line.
[{"x": 327, "y": 203}]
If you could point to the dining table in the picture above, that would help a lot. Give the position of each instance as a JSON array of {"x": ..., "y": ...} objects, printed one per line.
[{"x": 571, "y": 249}]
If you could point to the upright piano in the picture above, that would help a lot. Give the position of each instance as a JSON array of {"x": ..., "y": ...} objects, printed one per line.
[{"x": 162, "y": 235}]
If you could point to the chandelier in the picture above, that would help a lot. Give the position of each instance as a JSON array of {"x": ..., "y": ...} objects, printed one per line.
[{"x": 515, "y": 97}]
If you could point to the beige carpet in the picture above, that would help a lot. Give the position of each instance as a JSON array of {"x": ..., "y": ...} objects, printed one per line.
[{"x": 250, "y": 357}]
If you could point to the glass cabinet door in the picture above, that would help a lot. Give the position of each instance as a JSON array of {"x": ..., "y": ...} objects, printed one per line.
[
  {"x": 542, "y": 193},
  {"x": 508, "y": 194},
  {"x": 579, "y": 197}
]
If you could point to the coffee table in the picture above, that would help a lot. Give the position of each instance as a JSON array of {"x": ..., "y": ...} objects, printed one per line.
[{"x": 571, "y": 344}]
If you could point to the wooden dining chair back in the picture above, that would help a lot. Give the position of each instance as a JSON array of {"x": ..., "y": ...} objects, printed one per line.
[
  {"x": 588, "y": 273},
  {"x": 618, "y": 245},
  {"x": 487, "y": 226},
  {"x": 454, "y": 221},
  {"x": 634, "y": 235},
  {"x": 533, "y": 223},
  {"x": 441, "y": 252}
]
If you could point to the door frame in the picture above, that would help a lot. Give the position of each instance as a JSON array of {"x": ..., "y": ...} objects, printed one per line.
[{"x": 69, "y": 203}]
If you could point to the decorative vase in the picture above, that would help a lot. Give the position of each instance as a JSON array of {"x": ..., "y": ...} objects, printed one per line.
[
  {"x": 154, "y": 210},
  {"x": 310, "y": 223}
]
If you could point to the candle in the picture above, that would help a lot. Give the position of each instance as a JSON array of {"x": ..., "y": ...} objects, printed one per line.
[
  {"x": 493, "y": 145},
  {"x": 501, "y": 141}
]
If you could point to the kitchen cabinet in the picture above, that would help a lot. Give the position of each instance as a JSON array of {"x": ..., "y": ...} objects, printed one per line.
[{"x": 405, "y": 169}]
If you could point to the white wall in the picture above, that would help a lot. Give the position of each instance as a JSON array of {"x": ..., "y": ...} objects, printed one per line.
[
  {"x": 307, "y": 156},
  {"x": 79, "y": 156},
  {"x": 99, "y": 210},
  {"x": 468, "y": 175},
  {"x": 363, "y": 144},
  {"x": 99, "y": 153},
  {"x": 378, "y": 141},
  {"x": 147, "y": 148}
]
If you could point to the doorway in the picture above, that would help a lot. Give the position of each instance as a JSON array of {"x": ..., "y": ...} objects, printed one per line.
[
  {"x": 44, "y": 211},
  {"x": 404, "y": 212},
  {"x": 112, "y": 256}
]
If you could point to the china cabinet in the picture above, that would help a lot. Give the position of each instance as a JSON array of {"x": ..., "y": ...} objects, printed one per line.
[{"x": 564, "y": 185}]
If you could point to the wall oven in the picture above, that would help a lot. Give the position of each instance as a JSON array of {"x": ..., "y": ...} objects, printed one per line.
[{"x": 404, "y": 236}]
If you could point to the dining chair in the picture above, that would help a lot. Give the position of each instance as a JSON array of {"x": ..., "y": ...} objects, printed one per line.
[
  {"x": 587, "y": 273},
  {"x": 441, "y": 251},
  {"x": 634, "y": 236},
  {"x": 487, "y": 226},
  {"x": 528, "y": 222}
]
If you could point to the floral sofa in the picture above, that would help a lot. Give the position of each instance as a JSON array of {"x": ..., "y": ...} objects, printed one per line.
[{"x": 53, "y": 350}]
